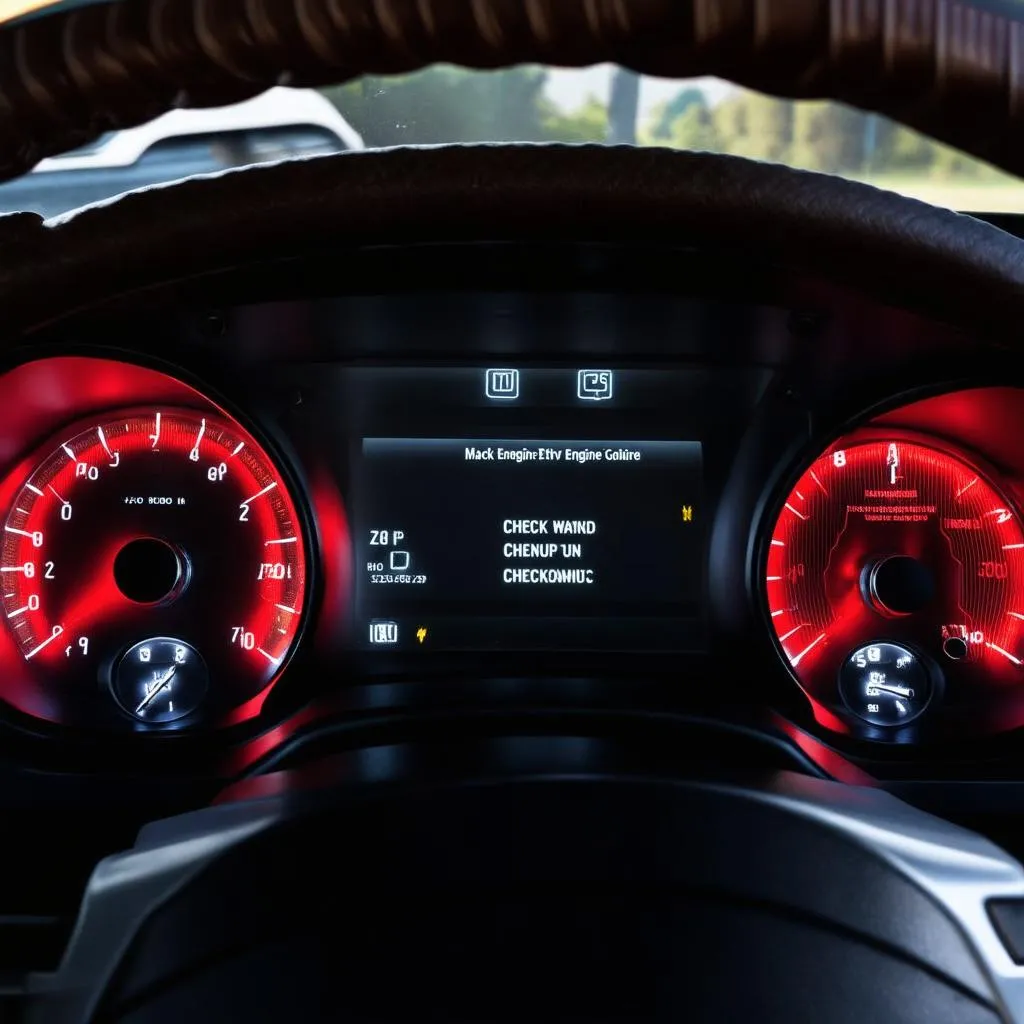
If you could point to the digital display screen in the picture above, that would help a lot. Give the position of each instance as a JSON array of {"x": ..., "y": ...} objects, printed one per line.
[{"x": 525, "y": 544}]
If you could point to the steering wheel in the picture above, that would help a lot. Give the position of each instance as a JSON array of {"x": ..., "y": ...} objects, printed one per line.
[{"x": 511, "y": 875}]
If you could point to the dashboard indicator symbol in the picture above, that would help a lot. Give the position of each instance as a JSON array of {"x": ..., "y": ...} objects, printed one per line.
[
  {"x": 502, "y": 384},
  {"x": 595, "y": 385},
  {"x": 421, "y": 634},
  {"x": 383, "y": 632},
  {"x": 398, "y": 561},
  {"x": 687, "y": 513}
]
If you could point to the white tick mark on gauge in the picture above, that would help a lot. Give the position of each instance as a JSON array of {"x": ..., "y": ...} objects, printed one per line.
[
  {"x": 20, "y": 533},
  {"x": 285, "y": 540},
  {"x": 70, "y": 454},
  {"x": 241, "y": 445},
  {"x": 155, "y": 436},
  {"x": 814, "y": 643},
  {"x": 269, "y": 487},
  {"x": 57, "y": 631},
  {"x": 269, "y": 657},
  {"x": 783, "y": 639},
  {"x": 794, "y": 511},
  {"x": 1005, "y": 654},
  {"x": 194, "y": 454},
  {"x": 34, "y": 490},
  {"x": 773, "y": 579},
  {"x": 1015, "y": 615},
  {"x": 1012, "y": 547},
  {"x": 285, "y": 608},
  {"x": 778, "y": 544},
  {"x": 103, "y": 441},
  {"x": 56, "y": 495},
  {"x": 776, "y": 614},
  {"x": 966, "y": 487},
  {"x": 17, "y": 611},
  {"x": 814, "y": 477},
  {"x": 24, "y": 511}
]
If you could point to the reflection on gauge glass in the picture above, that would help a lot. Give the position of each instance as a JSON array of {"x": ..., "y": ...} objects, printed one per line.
[
  {"x": 896, "y": 537},
  {"x": 152, "y": 523},
  {"x": 885, "y": 684}
]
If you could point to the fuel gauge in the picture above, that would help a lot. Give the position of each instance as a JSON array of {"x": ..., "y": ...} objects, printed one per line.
[
  {"x": 885, "y": 684},
  {"x": 160, "y": 680}
]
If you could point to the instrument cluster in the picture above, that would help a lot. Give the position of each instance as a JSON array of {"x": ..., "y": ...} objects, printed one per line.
[{"x": 168, "y": 555}]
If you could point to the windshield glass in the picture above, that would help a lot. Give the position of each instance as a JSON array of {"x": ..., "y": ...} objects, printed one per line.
[{"x": 529, "y": 103}]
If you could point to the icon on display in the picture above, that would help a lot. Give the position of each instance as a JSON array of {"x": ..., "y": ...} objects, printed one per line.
[
  {"x": 421, "y": 634},
  {"x": 502, "y": 384},
  {"x": 398, "y": 561},
  {"x": 595, "y": 385},
  {"x": 383, "y": 632}
]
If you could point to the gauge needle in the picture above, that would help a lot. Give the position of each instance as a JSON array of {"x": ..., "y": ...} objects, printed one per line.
[
  {"x": 893, "y": 462},
  {"x": 158, "y": 687},
  {"x": 899, "y": 691}
]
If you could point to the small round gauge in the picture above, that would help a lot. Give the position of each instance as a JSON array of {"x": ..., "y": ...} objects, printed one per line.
[
  {"x": 885, "y": 684},
  {"x": 151, "y": 523},
  {"x": 896, "y": 537},
  {"x": 160, "y": 680}
]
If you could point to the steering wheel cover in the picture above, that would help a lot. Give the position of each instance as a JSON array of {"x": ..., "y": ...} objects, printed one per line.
[
  {"x": 946, "y": 67},
  {"x": 950, "y": 266}
]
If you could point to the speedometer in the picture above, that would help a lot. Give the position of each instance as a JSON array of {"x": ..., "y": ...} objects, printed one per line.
[
  {"x": 153, "y": 569},
  {"x": 895, "y": 571}
]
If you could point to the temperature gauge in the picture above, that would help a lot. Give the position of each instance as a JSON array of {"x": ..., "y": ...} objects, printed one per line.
[
  {"x": 885, "y": 684},
  {"x": 160, "y": 680}
]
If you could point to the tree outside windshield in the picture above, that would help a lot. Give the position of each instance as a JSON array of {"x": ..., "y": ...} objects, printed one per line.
[{"x": 446, "y": 104}]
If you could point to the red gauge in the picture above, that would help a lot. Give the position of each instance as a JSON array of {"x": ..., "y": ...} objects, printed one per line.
[
  {"x": 892, "y": 550},
  {"x": 154, "y": 568}
]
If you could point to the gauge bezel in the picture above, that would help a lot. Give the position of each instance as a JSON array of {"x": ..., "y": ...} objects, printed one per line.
[
  {"x": 936, "y": 683},
  {"x": 122, "y": 657}
]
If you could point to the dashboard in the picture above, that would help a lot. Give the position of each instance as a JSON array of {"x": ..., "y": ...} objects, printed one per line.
[
  {"x": 240, "y": 509},
  {"x": 316, "y": 508}
]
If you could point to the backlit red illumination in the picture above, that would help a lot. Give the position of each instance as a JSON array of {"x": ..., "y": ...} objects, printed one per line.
[
  {"x": 870, "y": 498},
  {"x": 191, "y": 480},
  {"x": 825, "y": 757}
]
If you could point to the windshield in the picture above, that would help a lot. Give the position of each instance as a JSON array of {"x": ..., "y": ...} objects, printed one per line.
[{"x": 529, "y": 103}]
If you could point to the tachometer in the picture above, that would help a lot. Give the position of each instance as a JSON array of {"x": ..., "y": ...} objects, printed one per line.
[
  {"x": 895, "y": 568},
  {"x": 154, "y": 566}
]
